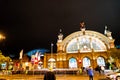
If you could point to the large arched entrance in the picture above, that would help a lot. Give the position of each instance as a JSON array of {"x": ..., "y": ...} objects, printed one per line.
[
  {"x": 100, "y": 61},
  {"x": 72, "y": 63},
  {"x": 86, "y": 62}
]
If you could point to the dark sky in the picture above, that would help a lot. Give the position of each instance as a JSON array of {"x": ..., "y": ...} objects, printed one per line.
[{"x": 31, "y": 24}]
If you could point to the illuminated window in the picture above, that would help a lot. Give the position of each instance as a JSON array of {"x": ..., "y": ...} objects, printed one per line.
[
  {"x": 72, "y": 63},
  {"x": 100, "y": 61},
  {"x": 86, "y": 62}
]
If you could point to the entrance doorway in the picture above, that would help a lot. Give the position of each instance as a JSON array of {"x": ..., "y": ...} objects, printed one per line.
[
  {"x": 72, "y": 63},
  {"x": 86, "y": 62},
  {"x": 100, "y": 61},
  {"x": 51, "y": 63}
]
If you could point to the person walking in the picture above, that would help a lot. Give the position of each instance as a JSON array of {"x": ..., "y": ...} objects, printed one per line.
[
  {"x": 102, "y": 69},
  {"x": 90, "y": 73},
  {"x": 49, "y": 75}
]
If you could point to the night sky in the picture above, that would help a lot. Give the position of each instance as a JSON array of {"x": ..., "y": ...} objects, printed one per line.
[{"x": 33, "y": 24}]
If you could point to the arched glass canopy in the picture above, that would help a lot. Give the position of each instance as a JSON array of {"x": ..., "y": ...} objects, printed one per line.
[{"x": 85, "y": 43}]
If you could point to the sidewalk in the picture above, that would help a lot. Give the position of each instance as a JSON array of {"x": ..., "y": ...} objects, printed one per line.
[{"x": 58, "y": 77}]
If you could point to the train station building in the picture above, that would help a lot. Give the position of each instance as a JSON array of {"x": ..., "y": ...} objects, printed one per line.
[{"x": 82, "y": 48}]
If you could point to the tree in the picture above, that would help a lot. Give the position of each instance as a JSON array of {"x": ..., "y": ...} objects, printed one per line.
[
  {"x": 2, "y": 57},
  {"x": 115, "y": 53}
]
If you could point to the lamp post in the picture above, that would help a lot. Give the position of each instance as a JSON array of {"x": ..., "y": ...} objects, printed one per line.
[{"x": 51, "y": 64}]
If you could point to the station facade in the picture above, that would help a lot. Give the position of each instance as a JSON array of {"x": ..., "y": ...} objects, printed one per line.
[{"x": 82, "y": 48}]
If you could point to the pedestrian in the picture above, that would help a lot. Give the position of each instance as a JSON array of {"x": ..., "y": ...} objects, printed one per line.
[
  {"x": 90, "y": 73},
  {"x": 80, "y": 71},
  {"x": 49, "y": 75},
  {"x": 98, "y": 68},
  {"x": 102, "y": 69}
]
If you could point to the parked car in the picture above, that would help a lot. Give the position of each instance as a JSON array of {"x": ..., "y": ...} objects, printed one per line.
[{"x": 114, "y": 75}]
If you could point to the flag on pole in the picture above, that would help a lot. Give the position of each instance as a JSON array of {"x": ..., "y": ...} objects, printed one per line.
[
  {"x": 36, "y": 54},
  {"x": 39, "y": 55},
  {"x": 21, "y": 54},
  {"x": 32, "y": 59}
]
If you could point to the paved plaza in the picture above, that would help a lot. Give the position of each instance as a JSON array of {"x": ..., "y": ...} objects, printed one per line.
[{"x": 58, "y": 77}]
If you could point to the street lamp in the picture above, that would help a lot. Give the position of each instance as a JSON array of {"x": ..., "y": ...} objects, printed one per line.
[{"x": 2, "y": 37}]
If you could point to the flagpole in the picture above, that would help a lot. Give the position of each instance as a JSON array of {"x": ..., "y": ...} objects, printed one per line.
[
  {"x": 51, "y": 50},
  {"x": 20, "y": 58},
  {"x": 51, "y": 54}
]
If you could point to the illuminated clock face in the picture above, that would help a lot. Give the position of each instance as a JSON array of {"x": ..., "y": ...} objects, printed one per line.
[{"x": 85, "y": 44}]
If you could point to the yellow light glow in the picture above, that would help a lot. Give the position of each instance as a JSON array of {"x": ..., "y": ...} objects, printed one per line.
[{"x": 2, "y": 37}]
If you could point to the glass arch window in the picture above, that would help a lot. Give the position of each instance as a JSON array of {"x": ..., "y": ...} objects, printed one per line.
[
  {"x": 86, "y": 62},
  {"x": 85, "y": 44},
  {"x": 100, "y": 61},
  {"x": 72, "y": 63}
]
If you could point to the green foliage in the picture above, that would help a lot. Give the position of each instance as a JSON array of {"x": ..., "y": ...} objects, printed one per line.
[
  {"x": 115, "y": 53},
  {"x": 3, "y": 58},
  {"x": 0, "y": 52}
]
